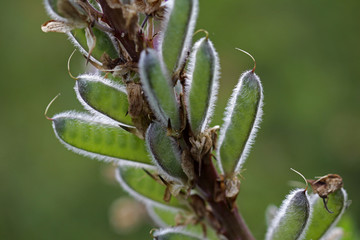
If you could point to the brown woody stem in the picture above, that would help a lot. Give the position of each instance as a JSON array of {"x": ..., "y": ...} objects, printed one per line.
[{"x": 232, "y": 224}]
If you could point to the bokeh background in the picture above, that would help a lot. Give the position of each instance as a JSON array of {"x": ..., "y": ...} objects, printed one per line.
[{"x": 308, "y": 57}]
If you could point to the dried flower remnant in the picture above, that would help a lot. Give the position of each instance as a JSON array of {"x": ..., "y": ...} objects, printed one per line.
[{"x": 326, "y": 185}]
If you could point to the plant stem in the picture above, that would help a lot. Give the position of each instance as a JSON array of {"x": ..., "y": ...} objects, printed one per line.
[{"x": 232, "y": 224}]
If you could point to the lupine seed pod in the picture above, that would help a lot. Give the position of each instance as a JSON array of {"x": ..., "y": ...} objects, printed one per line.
[
  {"x": 146, "y": 187},
  {"x": 165, "y": 218},
  {"x": 79, "y": 33},
  {"x": 322, "y": 221},
  {"x": 292, "y": 218},
  {"x": 103, "y": 43},
  {"x": 177, "y": 34},
  {"x": 241, "y": 121},
  {"x": 99, "y": 138},
  {"x": 202, "y": 84},
  {"x": 158, "y": 89},
  {"x": 165, "y": 153},
  {"x": 101, "y": 96},
  {"x": 176, "y": 233}
]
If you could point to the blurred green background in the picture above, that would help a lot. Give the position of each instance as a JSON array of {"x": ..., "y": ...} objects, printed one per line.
[{"x": 308, "y": 57}]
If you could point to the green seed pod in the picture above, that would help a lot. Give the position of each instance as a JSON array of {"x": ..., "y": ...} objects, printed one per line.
[
  {"x": 51, "y": 7},
  {"x": 322, "y": 221},
  {"x": 242, "y": 119},
  {"x": 176, "y": 233},
  {"x": 202, "y": 84},
  {"x": 102, "y": 43},
  {"x": 99, "y": 95},
  {"x": 158, "y": 89},
  {"x": 178, "y": 31},
  {"x": 292, "y": 218},
  {"x": 165, "y": 218},
  {"x": 165, "y": 153},
  {"x": 145, "y": 188},
  {"x": 99, "y": 138},
  {"x": 86, "y": 39}
]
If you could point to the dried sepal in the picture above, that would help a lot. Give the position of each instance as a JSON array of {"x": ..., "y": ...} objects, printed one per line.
[
  {"x": 292, "y": 218},
  {"x": 149, "y": 7},
  {"x": 241, "y": 121},
  {"x": 202, "y": 84},
  {"x": 57, "y": 26},
  {"x": 326, "y": 185}
]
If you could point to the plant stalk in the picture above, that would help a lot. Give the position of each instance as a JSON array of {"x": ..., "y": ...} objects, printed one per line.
[{"x": 232, "y": 224}]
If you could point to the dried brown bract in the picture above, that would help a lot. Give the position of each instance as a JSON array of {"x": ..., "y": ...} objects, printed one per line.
[
  {"x": 326, "y": 185},
  {"x": 148, "y": 7}
]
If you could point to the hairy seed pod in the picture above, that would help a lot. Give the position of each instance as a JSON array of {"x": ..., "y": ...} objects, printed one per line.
[
  {"x": 176, "y": 233},
  {"x": 101, "y": 96},
  {"x": 241, "y": 121},
  {"x": 146, "y": 186},
  {"x": 158, "y": 89},
  {"x": 202, "y": 84},
  {"x": 165, "y": 153},
  {"x": 177, "y": 33},
  {"x": 99, "y": 138},
  {"x": 292, "y": 218},
  {"x": 322, "y": 221}
]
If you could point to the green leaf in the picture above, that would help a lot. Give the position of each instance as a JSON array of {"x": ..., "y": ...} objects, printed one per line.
[
  {"x": 145, "y": 188},
  {"x": 99, "y": 138},
  {"x": 158, "y": 89},
  {"x": 202, "y": 84},
  {"x": 241, "y": 121},
  {"x": 322, "y": 221},
  {"x": 165, "y": 152},
  {"x": 292, "y": 218},
  {"x": 104, "y": 43},
  {"x": 178, "y": 33},
  {"x": 100, "y": 95},
  {"x": 175, "y": 234}
]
